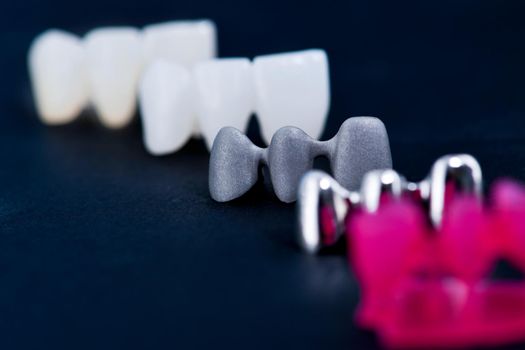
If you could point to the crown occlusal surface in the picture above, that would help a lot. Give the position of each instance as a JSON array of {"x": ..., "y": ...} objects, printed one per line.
[
  {"x": 183, "y": 42},
  {"x": 292, "y": 89},
  {"x": 57, "y": 69},
  {"x": 114, "y": 63}
]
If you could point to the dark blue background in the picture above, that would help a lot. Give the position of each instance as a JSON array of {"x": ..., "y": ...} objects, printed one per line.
[{"x": 103, "y": 246}]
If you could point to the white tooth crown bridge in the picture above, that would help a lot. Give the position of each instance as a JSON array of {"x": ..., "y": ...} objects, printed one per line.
[
  {"x": 68, "y": 73},
  {"x": 289, "y": 89}
]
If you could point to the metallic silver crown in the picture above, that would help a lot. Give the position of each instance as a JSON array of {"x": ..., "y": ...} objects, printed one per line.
[{"x": 319, "y": 192}]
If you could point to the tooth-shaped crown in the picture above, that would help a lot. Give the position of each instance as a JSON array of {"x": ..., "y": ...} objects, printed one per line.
[
  {"x": 234, "y": 163},
  {"x": 103, "y": 68},
  {"x": 450, "y": 176},
  {"x": 290, "y": 155},
  {"x": 319, "y": 193},
  {"x": 170, "y": 68},
  {"x": 361, "y": 145}
]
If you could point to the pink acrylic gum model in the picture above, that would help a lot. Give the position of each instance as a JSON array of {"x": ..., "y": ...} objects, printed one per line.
[{"x": 430, "y": 287}]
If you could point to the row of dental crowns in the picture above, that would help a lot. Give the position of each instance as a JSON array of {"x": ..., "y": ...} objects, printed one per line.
[
  {"x": 104, "y": 66},
  {"x": 183, "y": 90},
  {"x": 283, "y": 89},
  {"x": 324, "y": 204},
  {"x": 360, "y": 145}
]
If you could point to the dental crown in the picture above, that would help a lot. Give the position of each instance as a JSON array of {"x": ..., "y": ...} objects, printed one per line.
[
  {"x": 324, "y": 205},
  {"x": 103, "y": 69},
  {"x": 282, "y": 89},
  {"x": 182, "y": 90},
  {"x": 360, "y": 145}
]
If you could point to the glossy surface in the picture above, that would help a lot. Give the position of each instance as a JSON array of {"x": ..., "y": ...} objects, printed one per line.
[
  {"x": 451, "y": 177},
  {"x": 322, "y": 207}
]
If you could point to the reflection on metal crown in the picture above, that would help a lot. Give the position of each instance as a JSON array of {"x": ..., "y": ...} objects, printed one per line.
[{"x": 323, "y": 204}]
